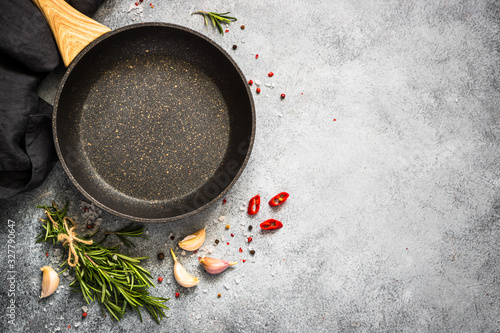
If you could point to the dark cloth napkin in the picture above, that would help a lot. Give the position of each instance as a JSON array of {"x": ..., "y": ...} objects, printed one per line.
[{"x": 28, "y": 53}]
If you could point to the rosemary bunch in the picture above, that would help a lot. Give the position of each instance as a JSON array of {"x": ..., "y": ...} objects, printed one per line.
[
  {"x": 216, "y": 18},
  {"x": 116, "y": 281}
]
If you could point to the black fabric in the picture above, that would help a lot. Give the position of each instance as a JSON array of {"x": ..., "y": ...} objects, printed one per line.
[{"x": 27, "y": 53}]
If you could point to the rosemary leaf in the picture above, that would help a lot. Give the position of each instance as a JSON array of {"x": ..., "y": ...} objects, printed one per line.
[{"x": 216, "y": 19}]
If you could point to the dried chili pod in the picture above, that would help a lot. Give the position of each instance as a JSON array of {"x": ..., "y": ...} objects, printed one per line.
[
  {"x": 254, "y": 205},
  {"x": 278, "y": 199},
  {"x": 271, "y": 224}
]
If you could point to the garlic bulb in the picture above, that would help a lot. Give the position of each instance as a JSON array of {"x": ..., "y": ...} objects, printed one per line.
[
  {"x": 193, "y": 242},
  {"x": 50, "y": 281},
  {"x": 215, "y": 266},
  {"x": 181, "y": 275}
]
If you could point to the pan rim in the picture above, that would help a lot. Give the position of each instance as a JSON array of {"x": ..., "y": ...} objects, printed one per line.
[{"x": 58, "y": 148}]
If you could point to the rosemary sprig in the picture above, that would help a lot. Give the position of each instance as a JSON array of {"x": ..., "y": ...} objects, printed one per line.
[
  {"x": 128, "y": 231},
  {"x": 217, "y": 19},
  {"x": 115, "y": 280}
]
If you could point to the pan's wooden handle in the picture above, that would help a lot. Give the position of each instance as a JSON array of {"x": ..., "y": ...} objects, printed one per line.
[{"x": 71, "y": 29}]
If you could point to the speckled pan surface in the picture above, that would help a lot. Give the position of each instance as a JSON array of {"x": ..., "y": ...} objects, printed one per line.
[{"x": 153, "y": 122}]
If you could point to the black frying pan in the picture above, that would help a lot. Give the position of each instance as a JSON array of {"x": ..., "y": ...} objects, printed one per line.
[{"x": 153, "y": 122}]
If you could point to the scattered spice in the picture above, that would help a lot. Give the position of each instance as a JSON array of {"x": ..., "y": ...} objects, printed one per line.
[
  {"x": 216, "y": 241},
  {"x": 46, "y": 254},
  {"x": 334, "y": 119},
  {"x": 232, "y": 235},
  {"x": 151, "y": 5},
  {"x": 256, "y": 56},
  {"x": 250, "y": 228},
  {"x": 234, "y": 46},
  {"x": 257, "y": 90},
  {"x": 240, "y": 250},
  {"x": 177, "y": 295},
  {"x": 254, "y": 203},
  {"x": 195, "y": 251},
  {"x": 137, "y": 4},
  {"x": 270, "y": 74},
  {"x": 84, "y": 315},
  {"x": 224, "y": 201},
  {"x": 252, "y": 252},
  {"x": 69, "y": 326},
  {"x": 250, "y": 239},
  {"x": 278, "y": 199},
  {"x": 250, "y": 82},
  {"x": 228, "y": 226},
  {"x": 219, "y": 295},
  {"x": 226, "y": 31},
  {"x": 271, "y": 224},
  {"x": 161, "y": 256},
  {"x": 244, "y": 260},
  {"x": 172, "y": 237},
  {"x": 242, "y": 27},
  {"x": 227, "y": 243},
  {"x": 282, "y": 96},
  {"x": 160, "y": 279}
]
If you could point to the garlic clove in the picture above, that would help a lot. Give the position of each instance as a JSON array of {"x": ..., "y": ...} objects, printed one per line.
[
  {"x": 50, "y": 281},
  {"x": 181, "y": 275},
  {"x": 215, "y": 266},
  {"x": 193, "y": 242}
]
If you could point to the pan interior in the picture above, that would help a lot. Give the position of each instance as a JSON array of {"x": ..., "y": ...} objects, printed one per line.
[{"x": 153, "y": 122}]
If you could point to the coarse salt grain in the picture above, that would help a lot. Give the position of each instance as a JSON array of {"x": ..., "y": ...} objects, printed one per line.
[{"x": 221, "y": 218}]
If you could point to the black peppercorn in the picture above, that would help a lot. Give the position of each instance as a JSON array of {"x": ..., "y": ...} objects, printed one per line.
[
  {"x": 242, "y": 27},
  {"x": 234, "y": 47},
  {"x": 252, "y": 252},
  {"x": 216, "y": 241},
  {"x": 250, "y": 228},
  {"x": 172, "y": 237},
  {"x": 161, "y": 256}
]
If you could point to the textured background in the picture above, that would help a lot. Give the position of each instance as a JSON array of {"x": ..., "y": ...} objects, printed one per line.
[{"x": 392, "y": 222}]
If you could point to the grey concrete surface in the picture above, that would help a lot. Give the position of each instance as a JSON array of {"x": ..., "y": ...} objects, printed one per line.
[{"x": 393, "y": 219}]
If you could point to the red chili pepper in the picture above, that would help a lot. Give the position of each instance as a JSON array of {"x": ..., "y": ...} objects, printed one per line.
[
  {"x": 278, "y": 199},
  {"x": 254, "y": 205},
  {"x": 271, "y": 224}
]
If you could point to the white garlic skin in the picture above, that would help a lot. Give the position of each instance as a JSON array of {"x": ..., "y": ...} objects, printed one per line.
[
  {"x": 50, "y": 281},
  {"x": 215, "y": 266},
  {"x": 193, "y": 242},
  {"x": 181, "y": 275}
]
